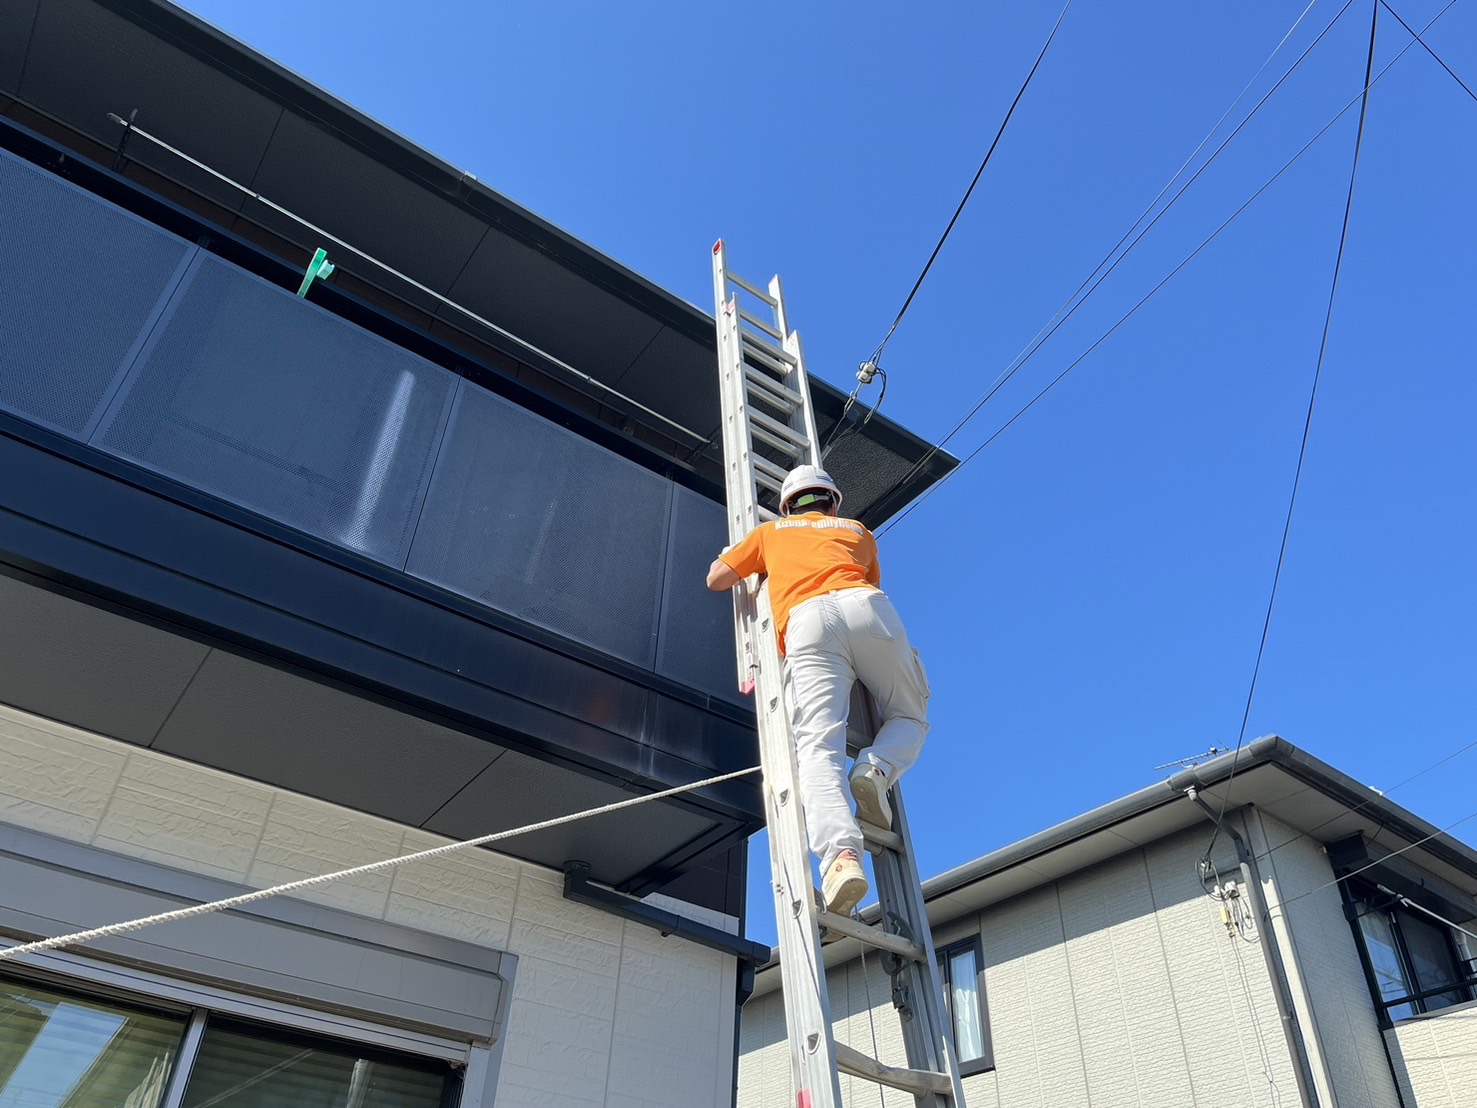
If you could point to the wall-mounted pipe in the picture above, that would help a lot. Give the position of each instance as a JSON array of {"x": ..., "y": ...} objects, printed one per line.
[{"x": 1291, "y": 1029}]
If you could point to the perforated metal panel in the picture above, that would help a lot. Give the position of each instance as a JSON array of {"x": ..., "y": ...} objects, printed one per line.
[
  {"x": 249, "y": 393},
  {"x": 695, "y": 645},
  {"x": 80, "y": 284},
  {"x": 529, "y": 518}
]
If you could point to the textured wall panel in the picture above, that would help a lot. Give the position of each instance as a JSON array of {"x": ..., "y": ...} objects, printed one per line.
[
  {"x": 534, "y": 520},
  {"x": 696, "y": 641},
  {"x": 250, "y": 394},
  {"x": 80, "y": 283},
  {"x": 1332, "y": 989}
]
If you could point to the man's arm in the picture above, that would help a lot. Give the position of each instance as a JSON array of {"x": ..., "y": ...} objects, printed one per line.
[
  {"x": 721, "y": 576},
  {"x": 738, "y": 561}
]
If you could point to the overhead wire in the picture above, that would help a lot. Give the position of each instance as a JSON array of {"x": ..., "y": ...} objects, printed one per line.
[
  {"x": 1427, "y": 47},
  {"x": 877, "y": 353},
  {"x": 1133, "y": 310},
  {"x": 1093, "y": 280},
  {"x": 1393, "y": 854},
  {"x": 1310, "y": 832},
  {"x": 1297, "y": 477},
  {"x": 842, "y": 428}
]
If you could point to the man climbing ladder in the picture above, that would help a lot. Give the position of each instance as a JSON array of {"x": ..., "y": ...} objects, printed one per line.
[
  {"x": 836, "y": 626},
  {"x": 821, "y": 603}
]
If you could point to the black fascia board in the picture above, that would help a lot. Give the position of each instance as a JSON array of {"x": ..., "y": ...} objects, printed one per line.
[
  {"x": 113, "y": 498},
  {"x": 225, "y": 244},
  {"x": 389, "y": 148}
]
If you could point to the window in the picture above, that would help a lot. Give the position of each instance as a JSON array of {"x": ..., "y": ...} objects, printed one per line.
[
  {"x": 64, "y": 1050},
  {"x": 1414, "y": 962},
  {"x": 961, "y": 966},
  {"x": 57, "y": 1049}
]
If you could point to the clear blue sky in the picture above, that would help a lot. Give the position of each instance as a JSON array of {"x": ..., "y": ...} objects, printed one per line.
[{"x": 1089, "y": 591}]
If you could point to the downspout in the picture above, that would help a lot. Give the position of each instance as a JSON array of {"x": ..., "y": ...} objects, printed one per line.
[{"x": 1291, "y": 1030}]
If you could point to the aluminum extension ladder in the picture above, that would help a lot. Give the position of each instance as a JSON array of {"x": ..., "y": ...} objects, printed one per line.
[{"x": 769, "y": 428}]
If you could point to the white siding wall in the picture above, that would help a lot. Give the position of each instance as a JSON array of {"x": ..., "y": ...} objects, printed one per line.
[
  {"x": 1114, "y": 987},
  {"x": 603, "y": 1012},
  {"x": 1436, "y": 1057},
  {"x": 1327, "y": 979}
]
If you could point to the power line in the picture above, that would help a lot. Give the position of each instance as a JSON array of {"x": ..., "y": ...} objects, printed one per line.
[
  {"x": 1098, "y": 275},
  {"x": 1409, "y": 846},
  {"x": 1131, "y": 311},
  {"x": 1297, "y": 477},
  {"x": 1426, "y": 46},
  {"x": 1310, "y": 832},
  {"x": 877, "y": 354},
  {"x": 871, "y": 367}
]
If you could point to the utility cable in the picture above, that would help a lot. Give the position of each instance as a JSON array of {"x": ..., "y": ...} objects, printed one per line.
[
  {"x": 1297, "y": 477},
  {"x": 871, "y": 366},
  {"x": 1355, "y": 873},
  {"x": 1127, "y": 315},
  {"x": 1426, "y": 46},
  {"x": 1310, "y": 832},
  {"x": 877, "y": 354},
  {"x": 1094, "y": 279},
  {"x": 80, "y": 937}
]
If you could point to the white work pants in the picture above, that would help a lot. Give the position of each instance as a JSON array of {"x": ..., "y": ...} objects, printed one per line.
[{"x": 831, "y": 641}]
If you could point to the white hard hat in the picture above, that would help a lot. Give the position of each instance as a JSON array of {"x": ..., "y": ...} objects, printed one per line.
[{"x": 805, "y": 479}]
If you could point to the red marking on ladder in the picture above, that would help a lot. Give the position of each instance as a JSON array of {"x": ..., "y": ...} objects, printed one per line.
[
  {"x": 803, "y": 1100},
  {"x": 747, "y": 688},
  {"x": 717, "y": 246}
]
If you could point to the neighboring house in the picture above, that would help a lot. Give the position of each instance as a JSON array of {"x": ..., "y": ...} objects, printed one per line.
[
  {"x": 1097, "y": 964},
  {"x": 291, "y": 584}
]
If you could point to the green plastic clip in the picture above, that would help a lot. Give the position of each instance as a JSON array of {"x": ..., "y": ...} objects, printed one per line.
[{"x": 320, "y": 268}]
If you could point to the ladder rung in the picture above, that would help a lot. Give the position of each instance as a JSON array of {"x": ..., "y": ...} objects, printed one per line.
[
  {"x": 872, "y": 936},
  {"x": 917, "y": 1082},
  {"x": 765, "y": 515},
  {"x": 753, "y": 320},
  {"x": 780, "y": 394},
  {"x": 764, "y": 480},
  {"x": 750, "y": 288},
  {"x": 767, "y": 352},
  {"x": 778, "y": 434},
  {"x": 769, "y": 469},
  {"x": 880, "y": 839}
]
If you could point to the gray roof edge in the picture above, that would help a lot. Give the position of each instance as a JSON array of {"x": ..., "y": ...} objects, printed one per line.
[{"x": 1269, "y": 750}]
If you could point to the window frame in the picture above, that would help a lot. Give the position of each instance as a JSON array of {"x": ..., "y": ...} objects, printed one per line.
[
  {"x": 474, "y": 1065},
  {"x": 1362, "y": 899},
  {"x": 944, "y": 955}
]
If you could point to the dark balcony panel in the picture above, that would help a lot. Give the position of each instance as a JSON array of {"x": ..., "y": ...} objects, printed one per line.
[
  {"x": 81, "y": 282},
  {"x": 536, "y": 521},
  {"x": 16, "y": 18},
  {"x": 697, "y": 624},
  {"x": 250, "y": 394}
]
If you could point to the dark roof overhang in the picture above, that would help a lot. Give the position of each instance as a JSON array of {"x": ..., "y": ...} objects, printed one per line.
[{"x": 69, "y": 63}]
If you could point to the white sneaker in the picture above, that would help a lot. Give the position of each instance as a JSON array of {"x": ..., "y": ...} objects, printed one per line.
[
  {"x": 869, "y": 786},
  {"x": 844, "y": 884}
]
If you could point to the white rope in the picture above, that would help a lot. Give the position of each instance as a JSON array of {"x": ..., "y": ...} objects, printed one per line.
[{"x": 322, "y": 879}]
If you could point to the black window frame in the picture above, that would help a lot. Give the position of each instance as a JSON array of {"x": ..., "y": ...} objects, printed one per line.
[
  {"x": 945, "y": 954},
  {"x": 1362, "y": 899}
]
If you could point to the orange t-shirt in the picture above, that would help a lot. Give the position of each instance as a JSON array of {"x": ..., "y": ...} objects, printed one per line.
[{"x": 806, "y": 555}]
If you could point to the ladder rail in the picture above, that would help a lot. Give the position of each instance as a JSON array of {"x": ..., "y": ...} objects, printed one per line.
[{"x": 765, "y": 396}]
